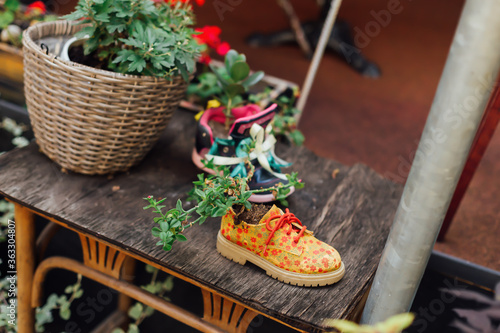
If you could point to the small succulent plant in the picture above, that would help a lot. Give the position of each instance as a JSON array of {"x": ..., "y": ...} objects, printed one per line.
[{"x": 227, "y": 84}]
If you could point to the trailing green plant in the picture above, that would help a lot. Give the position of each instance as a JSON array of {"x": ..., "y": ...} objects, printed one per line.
[
  {"x": 44, "y": 314},
  {"x": 394, "y": 324},
  {"x": 60, "y": 303},
  {"x": 17, "y": 131},
  {"x": 139, "y": 312},
  {"x": 141, "y": 37},
  {"x": 214, "y": 195},
  {"x": 227, "y": 84}
]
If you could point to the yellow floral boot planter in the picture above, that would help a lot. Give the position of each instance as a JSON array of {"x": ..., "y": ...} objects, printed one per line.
[{"x": 282, "y": 246}]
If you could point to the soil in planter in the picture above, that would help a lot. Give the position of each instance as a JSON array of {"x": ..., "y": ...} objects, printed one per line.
[
  {"x": 76, "y": 54},
  {"x": 218, "y": 130},
  {"x": 252, "y": 216}
]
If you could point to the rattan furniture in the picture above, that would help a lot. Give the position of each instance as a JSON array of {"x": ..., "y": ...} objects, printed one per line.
[{"x": 348, "y": 207}]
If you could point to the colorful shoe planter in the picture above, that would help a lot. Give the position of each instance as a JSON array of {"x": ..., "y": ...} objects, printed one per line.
[
  {"x": 283, "y": 247},
  {"x": 250, "y": 128}
]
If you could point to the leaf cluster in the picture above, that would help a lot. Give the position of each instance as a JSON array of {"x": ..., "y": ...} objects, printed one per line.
[
  {"x": 285, "y": 123},
  {"x": 227, "y": 83},
  {"x": 8, "y": 12},
  {"x": 215, "y": 195},
  {"x": 139, "y": 37},
  {"x": 139, "y": 312},
  {"x": 62, "y": 303}
]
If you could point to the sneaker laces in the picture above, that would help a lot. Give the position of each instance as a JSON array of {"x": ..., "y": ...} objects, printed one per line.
[{"x": 287, "y": 219}]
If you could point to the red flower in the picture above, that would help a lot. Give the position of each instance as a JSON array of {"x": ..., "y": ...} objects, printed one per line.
[
  {"x": 223, "y": 48},
  {"x": 208, "y": 35},
  {"x": 205, "y": 59},
  {"x": 37, "y": 8}
]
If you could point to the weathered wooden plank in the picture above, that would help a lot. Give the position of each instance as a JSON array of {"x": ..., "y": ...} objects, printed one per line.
[
  {"x": 356, "y": 224},
  {"x": 29, "y": 176},
  {"x": 351, "y": 211}
]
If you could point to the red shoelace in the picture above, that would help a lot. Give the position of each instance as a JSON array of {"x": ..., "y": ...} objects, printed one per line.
[{"x": 284, "y": 220}]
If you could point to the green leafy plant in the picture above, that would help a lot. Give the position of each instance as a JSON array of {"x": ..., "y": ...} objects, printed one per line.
[
  {"x": 214, "y": 195},
  {"x": 8, "y": 12},
  {"x": 395, "y": 324},
  {"x": 139, "y": 312},
  {"x": 61, "y": 303},
  {"x": 227, "y": 84},
  {"x": 285, "y": 123},
  {"x": 141, "y": 37},
  {"x": 43, "y": 315}
]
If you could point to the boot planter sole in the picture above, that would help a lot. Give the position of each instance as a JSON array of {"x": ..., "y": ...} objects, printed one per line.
[{"x": 240, "y": 255}]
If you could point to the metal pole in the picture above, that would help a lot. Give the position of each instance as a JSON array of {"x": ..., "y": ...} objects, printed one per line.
[
  {"x": 318, "y": 54},
  {"x": 465, "y": 86}
]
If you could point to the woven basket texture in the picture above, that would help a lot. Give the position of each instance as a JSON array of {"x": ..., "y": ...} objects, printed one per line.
[{"x": 87, "y": 120}]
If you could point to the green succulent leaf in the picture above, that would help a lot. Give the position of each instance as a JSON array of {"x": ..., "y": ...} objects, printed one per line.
[
  {"x": 239, "y": 71},
  {"x": 253, "y": 79},
  {"x": 230, "y": 59},
  {"x": 235, "y": 89},
  {"x": 135, "y": 311}
]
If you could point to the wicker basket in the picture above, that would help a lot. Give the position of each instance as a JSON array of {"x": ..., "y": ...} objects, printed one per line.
[{"x": 87, "y": 120}]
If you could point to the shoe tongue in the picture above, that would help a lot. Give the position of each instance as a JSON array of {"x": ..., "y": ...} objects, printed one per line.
[
  {"x": 273, "y": 211},
  {"x": 241, "y": 127}
]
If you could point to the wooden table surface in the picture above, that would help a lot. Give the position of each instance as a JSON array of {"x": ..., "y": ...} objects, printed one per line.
[{"x": 352, "y": 212}]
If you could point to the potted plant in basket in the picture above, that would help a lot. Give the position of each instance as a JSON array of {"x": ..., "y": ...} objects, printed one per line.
[{"x": 102, "y": 110}]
